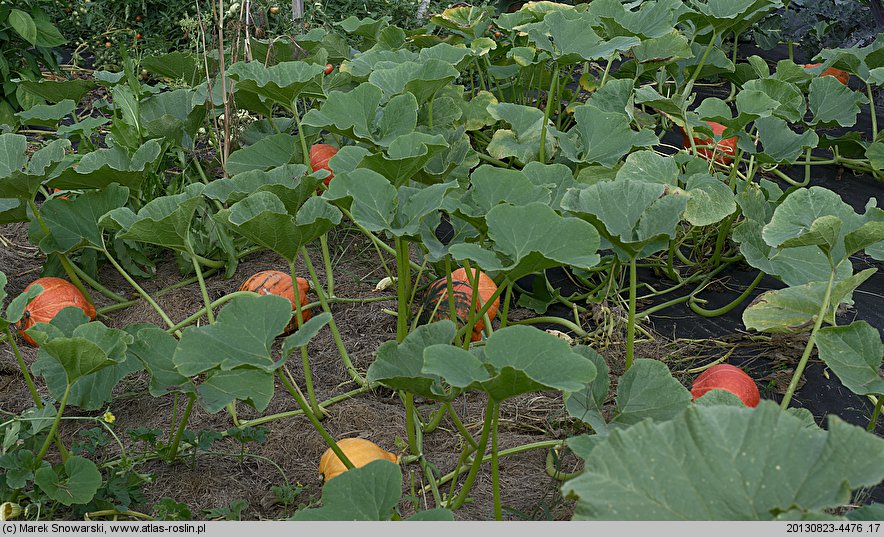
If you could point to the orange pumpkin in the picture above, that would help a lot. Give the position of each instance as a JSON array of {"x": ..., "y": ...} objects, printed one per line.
[
  {"x": 57, "y": 295},
  {"x": 842, "y": 76},
  {"x": 729, "y": 378},
  {"x": 724, "y": 150},
  {"x": 360, "y": 452},
  {"x": 435, "y": 306},
  {"x": 320, "y": 154},
  {"x": 274, "y": 282},
  {"x": 487, "y": 288}
]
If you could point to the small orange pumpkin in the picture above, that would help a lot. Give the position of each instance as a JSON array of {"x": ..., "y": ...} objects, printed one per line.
[
  {"x": 360, "y": 452},
  {"x": 320, "y": 154},
  {"x": 724, "y": 150},
  {"x": 274, "y": 282},
  {"x": 842, "y": 76},
  {"x": 57, "y": 295}
]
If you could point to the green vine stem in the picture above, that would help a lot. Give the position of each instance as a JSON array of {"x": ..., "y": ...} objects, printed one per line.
[
  {"x": 458, "y": 424},
  {"x": 690, "y": 84},
  {"x": 490, "y": 411},
  {"x": 210, "y": 314},
  {"x": 336, "y": 334},
  {"x": 692, "y": 303},
  {"x": 551, "y": 470},
  {"x": 378, "y": 242},
  {"x": 305, "y": 358},
  {"x": 176, "y": 441},
  {"x": 580, "y": 332},
  {"x": 142, "y": 292},
  {"x": 54, "y": 429},
  {"x": 799, "y": 369},
  {"x": 97, "y": 286},
  {"x": 292, "y": 413},
  {"x": 872, "y": 111},
  {"x": 495, "y": 466},
  {"x": 24, "y": 368},
  {"x": 326, "y": 260},
  {"x": 504, "y": 317},
  {"x": 546, "y": 113},
  {"x": 292, "y": 388},
  {"x": 630, "y": 320},
  {"x": 873, "y": 422}
]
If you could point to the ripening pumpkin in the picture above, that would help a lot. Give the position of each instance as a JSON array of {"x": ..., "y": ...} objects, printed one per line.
[
  {"x": 360, "y": 452},
  {"x": 842, "y": 76},
  {"x": 487, "y": 288},
  {"x": 274, "y": 282},
  {"x": 724, "y": 150},
  {"x": 435, "y": 305},
  {"x": 57, "y": 295},
  {"x": 730, "y": 378},
  {"x": 320, "y": 154}
]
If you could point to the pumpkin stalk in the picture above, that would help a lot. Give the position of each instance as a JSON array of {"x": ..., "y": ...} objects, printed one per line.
[
  {"x": 495, "y": 467},
  {"x": 205, "y": 292},
  {"x": 305, "y": 359},
  {"x": 546, "y": 113},
  {"x": 336, "y": 334},
  {"x": 24, "y": 368},
  {"x": 291, "y": 387},
  {"x": 140, "y": 291},
  {"x": 630, "y": 320},
  {"x": 799, "y": 369},
  {"x": 54, "y": 429},
  {"x": 173, "y": 448},
  {"x": 490, "y": 410},
  {"x": 402, "y": 281},
  {"x": 873, "y": 422}
]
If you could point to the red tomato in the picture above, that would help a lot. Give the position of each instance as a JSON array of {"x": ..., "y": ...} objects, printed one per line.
[
  {"x": 329, "y": 68},
  {"x": 730, "y": 378},
  {"x": 842, "y": 76},
  {"x": 724, "y": 150}
]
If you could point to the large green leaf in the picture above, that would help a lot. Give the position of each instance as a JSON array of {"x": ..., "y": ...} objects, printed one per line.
[
  {"x": 16, "y": 308},
  {"x": 725, "y": 463},
  {"x": 20, "y": 178},
  {"x": 172, "y": 115},
  {"x": 115, "y": 164},
  {"x": 515, "y": 360},
  {"x": 399, "y": 366},
  {"x": 165, "y": 221},
  {"x": 350, "y": 113},
  {"x": 833, "y": 103},
  {"x": 282, "y": 83},
  {"x": 45, "y": 115},
  {"x": 602, "y": 137},
  {"x": 288, "y": 182},
  {"x": 56, "y": 91},
  {"x": 242, "y": 335},
  {"x": 854, "y": 352},
  {"x": 648, "y": 390},
  {"x": 75, "y": 222},
  {"x": 587, "y": 403},
  {"x": 636, "y": 216},
  {"x": 368, "y": 493},
  {"x": 530, "y": 238},
  {"x": 271, "y": 152},
  {"x": 574, "y": 39},
  {"x": 423, "y": 79},
  {"x": 780, "y": 143},
  {"x": 263, "y": 218},
  {"x": 522, "y": 141},
  {"x": 74, "y": 482},
  {"x": 155, "y": 347}
]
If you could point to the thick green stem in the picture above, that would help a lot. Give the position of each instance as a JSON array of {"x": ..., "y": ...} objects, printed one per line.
[
  {"x": 546, "y": 113},
  {"x": 326, "y": 260},
  {"x": 580, "y": 332},
  {"x": 490, "y": 410},
  {"x": 690, "y": 84},
  {"x": 97, "y": 286},
  {"x": 336, "y": 334},
  {"x": 24, "y": 369},
  {"x": 403, "y": 279},
  {"x": 305, "y": 358},
  {"x": 138, "y": 288},
  {"x": 291, "y": 387},
  {"x": 875, "y": 413},
  {"x": 872, "y": 111},
  {"x": 630, "y": 320},
  {"x": 205, "y": 292},
  {"x": 173, "y": 448},
  {"x": 799, "y": 369},
  {"x": 495, "y": 468},
  {"x": 410, "y": 424},
  {"x": 292, "y": 413},
  {"x": 54, "y": 429},
  {"x": 504, "y": 317},
  {"x": 724, "y": 309}
]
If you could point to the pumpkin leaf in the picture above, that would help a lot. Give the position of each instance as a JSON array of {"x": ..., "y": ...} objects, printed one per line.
[
  {"x": 530, "y": 238},
  {"x": 780, "y": 143},
  {"x": 422, "y": 79},
  {"x": 586, "y": 404},
  {"x": 75, "y": 222},
  {"x": 522, "y": 141},
  {"x": 725, "y": 463},
  {"x": 16, "y": 308},
  {"x": 399, "y": 366},
  {"x": 263, "y": 218},
  {"x": 367, "y": 493},
  {"x": 272, "y": 151},
  {"x": 281, "y": 83},
  {"x": 648, "y": 390},
  {"x": 305, "y": 333},
  {"x": 515, "y": 360},
  {"x": 289, "y": 182},
  {"x": 20, "y": 178},
  {"x": 247, "y": 384},
  {"x": 602, "y": 137},
  {"x": 833, "y": 103},
  {"x": 242, "y": 335},
  {"x": 115, "y": 164},
  {"x": 854, "y": 353},
  {"x": 74, "y": 482},
  {"x": 155, "y": 348}
]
